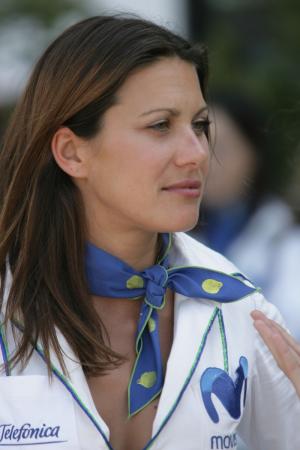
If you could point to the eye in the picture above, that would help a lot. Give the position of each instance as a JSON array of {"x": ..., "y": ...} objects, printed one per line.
[
  {"x": 201, "y": 126},
  {"x": 162, "y": 126}
]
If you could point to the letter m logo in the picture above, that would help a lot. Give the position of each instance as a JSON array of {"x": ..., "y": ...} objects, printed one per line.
[{"x": 216, "y": 381}]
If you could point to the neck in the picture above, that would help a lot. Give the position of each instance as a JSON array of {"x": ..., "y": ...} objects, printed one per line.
[{"x": 137, "y": 249}]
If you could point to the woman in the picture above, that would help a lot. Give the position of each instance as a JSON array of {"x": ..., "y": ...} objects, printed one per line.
[{"x": 130, "y": 332}]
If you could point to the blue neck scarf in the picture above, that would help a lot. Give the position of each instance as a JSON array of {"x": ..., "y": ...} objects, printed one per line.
[{"x": 108, "y": 276}]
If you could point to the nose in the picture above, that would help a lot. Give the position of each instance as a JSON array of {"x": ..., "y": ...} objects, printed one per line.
[{"x": 192, "y": 150}]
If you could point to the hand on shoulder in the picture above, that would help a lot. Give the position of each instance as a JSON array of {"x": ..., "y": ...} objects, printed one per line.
[{"x": 283, "y": 346}]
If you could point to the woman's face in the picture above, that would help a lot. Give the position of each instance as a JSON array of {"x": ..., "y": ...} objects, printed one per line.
[{"x": 151, "y": 140}]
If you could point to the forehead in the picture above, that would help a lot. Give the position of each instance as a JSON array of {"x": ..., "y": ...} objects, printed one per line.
[{"x": 170, "y": 80}]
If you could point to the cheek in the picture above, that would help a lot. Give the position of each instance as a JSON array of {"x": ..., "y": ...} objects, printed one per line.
[
  {"x": 149, "y": 167},
  {"x": 132, "y": 166},
  {"x": 206, "y": 167}
]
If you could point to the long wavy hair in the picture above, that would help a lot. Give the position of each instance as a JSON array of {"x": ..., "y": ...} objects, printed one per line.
[{"x": 42, "y": 223}]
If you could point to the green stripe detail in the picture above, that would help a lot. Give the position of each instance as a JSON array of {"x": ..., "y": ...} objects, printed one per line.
[
  {"x": 6, "y": 363},
  {"x": 188, "y": 378},
  {"x": 230, "y": 275},
  {"x": 224, "y": 341},
  {"x": 69, "y": 387},
  {"x": 139, "y": 341},
  {"x": 129, "y": 385},
  {"x": 167, "y": 250},
  {"x": 157, "y": 307}
]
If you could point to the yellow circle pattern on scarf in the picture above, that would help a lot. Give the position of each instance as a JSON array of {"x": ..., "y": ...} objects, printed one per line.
[
  {"x": 211, "y": 286},
  {"x": 135, "y": 282},
  {"x": 151, "y": 325},
  {"x": 147, "y": 379}
]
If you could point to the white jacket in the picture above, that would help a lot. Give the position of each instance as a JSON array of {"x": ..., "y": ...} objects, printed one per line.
[{"x": 35, "y": 413}]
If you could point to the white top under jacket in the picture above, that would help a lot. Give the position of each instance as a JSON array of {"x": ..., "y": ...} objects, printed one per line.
[{"x": 63, "y": 416}]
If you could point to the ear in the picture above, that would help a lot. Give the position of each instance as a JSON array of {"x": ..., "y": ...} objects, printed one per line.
[{"x": 68, "y": 152}]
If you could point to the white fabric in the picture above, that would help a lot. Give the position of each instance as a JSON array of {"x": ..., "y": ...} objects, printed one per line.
[{"x": 269, "y": 421}]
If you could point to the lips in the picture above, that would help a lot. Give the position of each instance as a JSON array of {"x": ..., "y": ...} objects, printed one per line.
[
  {"x": 184, "y": 184},
  {"x": 189, "y": 189}
]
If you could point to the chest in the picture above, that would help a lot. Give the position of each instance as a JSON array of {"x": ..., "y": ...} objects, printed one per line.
[
  {"x": 110, "y": 398},
  {"x": 110, "y": 395}
]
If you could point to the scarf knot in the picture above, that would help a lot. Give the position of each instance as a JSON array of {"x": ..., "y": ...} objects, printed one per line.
[
  {"x": 109, "y": 276},
  {"x": 156, "y": 278}
]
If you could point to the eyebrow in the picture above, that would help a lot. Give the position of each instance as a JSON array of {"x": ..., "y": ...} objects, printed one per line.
[{"x": 172, "y": 111}]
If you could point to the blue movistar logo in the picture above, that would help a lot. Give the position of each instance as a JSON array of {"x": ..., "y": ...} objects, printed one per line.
[
  {"x": 216, "y": 381},
  {"x": 27, "y": 434}
]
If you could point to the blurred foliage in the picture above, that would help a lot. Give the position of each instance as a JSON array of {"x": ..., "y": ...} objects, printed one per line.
[
  {"x": 46, "y": 11},
  {"x": 254, "y": 48},
  {"x": 28, "y": 26}
]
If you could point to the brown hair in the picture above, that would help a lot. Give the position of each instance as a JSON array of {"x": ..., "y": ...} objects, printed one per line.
[{"x": 42, "y": 225}]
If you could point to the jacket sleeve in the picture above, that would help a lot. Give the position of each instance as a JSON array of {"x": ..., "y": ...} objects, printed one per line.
[{"x": 271, "y": 419}]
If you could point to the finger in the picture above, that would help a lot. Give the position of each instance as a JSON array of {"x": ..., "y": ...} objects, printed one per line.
[
  {"x": 285, "y": 356},
  {"x": 288, "y": 360},
  {"x": 268, "y": 336},
  {"x": 288, "y": 338},
  {"x": 258, "y": 315}
]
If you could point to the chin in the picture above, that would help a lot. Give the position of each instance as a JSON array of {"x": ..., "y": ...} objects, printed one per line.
[{"x": 180, "y": 224}]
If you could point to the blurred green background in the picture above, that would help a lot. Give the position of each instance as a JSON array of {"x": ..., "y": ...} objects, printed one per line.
[{"x": 255, "y": 49}]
